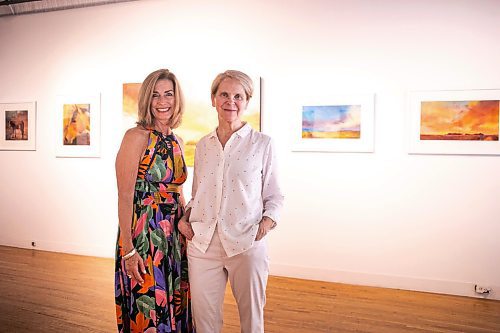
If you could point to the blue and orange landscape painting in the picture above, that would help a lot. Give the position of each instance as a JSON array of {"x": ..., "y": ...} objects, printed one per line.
[{"x": 331, "y": 122}]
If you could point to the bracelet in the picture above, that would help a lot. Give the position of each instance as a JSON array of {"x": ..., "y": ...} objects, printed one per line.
[{"x": 130, "y": 254}]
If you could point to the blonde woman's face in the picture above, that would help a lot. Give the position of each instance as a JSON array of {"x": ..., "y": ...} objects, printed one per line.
[
  {"x": 163, "y": 100},
  {"x": 230, "y": 100}
]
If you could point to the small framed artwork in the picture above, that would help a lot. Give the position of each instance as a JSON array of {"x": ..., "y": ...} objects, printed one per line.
[
  {"x": 78, "y": 127},
  {"x": 341, "y": 123},
  {"x": 18, "y": 126},
  {"x": 199, "y": 118},
  {"x": 459, "y": 122}
]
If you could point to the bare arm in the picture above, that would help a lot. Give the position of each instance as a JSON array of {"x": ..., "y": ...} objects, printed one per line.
[
  {"x": 182, "y": 199},
  {"x": 184, "y": 225},
  {"x": 127, "y": 163}
]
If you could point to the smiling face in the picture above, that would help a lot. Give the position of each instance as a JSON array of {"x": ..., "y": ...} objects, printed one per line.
[
  {"x": 230, "y": 101},
  {"x": 163, "y": 101}
]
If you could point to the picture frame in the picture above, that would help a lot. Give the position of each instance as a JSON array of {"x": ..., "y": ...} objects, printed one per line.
[
  {"x": 339, "y": 123},
  {"x": 78, "y": 126},
  {"x": 18, "y": 126},
  {"x": 454, "y": 122},
  {"x": 199, "y": 118}
]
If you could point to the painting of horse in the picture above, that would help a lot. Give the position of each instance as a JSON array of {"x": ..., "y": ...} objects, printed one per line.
[
  {"x": 76, "y": 124},
  {"x": 16, "y": 125}
]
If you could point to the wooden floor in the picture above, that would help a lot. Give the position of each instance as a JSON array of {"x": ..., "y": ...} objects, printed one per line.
[{"x": 51, "y": 292}]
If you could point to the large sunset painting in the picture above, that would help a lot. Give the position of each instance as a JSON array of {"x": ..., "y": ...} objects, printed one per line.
[
  {"x": 199, "y": 118},
  {"x": 459, "y": 120},
  {"x": 331, "y": 122}
]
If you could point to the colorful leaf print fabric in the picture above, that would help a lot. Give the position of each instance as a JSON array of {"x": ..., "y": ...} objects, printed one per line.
[{"x": 163, "y": 302}]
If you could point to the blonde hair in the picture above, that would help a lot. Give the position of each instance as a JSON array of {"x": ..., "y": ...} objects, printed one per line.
[
  {"x": 146, "y": 118},
  {"x": 242, "y": 78}
]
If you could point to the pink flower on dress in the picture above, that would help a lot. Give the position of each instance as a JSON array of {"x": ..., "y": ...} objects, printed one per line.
[
  {"x": 161, "y": 297},
  {"x": 151, "y": 329},
  {"x": 166, "y": 226},
  {"x": 139, "y": 227},
  {"x": 157, "y": 259},
  {"x": 148, "y": 201}
]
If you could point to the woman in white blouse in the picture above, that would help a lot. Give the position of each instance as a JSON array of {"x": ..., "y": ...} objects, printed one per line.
[{"x": 235, "y": 202}]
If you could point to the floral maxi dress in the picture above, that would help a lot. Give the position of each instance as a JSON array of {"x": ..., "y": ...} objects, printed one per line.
[{"x": 162, "y": 303}]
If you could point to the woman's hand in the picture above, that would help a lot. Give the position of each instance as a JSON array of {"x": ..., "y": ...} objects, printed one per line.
[
  {"x": 134, "y": 266},
  {"x": 265, "y": 225},
  {"x": 185, "y": 228}
]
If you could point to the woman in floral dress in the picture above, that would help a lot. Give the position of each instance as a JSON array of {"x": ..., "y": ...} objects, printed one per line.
[{"x": 151, "y": 281}]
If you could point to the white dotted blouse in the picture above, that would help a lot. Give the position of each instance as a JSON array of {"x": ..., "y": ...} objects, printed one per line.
[{"x": 233, "y": 188}]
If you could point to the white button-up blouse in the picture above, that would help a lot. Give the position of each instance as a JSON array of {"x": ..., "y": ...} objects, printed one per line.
[{"x": 233, "y": 187}]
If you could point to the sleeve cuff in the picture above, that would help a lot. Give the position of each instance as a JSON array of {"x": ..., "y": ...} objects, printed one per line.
[{"x": 272, "y": 217}]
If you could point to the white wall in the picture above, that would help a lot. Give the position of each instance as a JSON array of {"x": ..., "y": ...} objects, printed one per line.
[{"x": 386, "y": 218}]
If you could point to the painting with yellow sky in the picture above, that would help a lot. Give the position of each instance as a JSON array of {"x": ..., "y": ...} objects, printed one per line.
[
  {"x": 199, "y": 118},
  {"x": 460, "y": 120}
]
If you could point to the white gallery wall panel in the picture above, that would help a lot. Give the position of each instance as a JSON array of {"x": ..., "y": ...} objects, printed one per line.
[{"x": 387, "y": 218}]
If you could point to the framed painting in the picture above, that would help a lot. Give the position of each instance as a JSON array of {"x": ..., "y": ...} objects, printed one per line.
[
  {"x": 78, "y": 126},
  {"x": 341, "y": 123},
  {"x": 458, "y": 122},
  {"x": 18, "y": 126},
  {"x": 199, "y": 118}
]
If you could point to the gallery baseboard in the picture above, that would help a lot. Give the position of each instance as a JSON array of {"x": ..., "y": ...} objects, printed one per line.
[
  {"x": 63, "y": 247},
  {"x": 457, "y": 288}
]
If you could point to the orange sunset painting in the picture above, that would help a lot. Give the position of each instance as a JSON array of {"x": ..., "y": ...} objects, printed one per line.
[{"x": 459, "y": 120}]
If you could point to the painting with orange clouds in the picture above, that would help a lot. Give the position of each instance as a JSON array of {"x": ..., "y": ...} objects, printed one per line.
[
  {"x": 459, "y": 120},
  {"x": 17, "y": 126},
  {"x": 455, "y": 122},
  {"x": 199, "y": 118}
]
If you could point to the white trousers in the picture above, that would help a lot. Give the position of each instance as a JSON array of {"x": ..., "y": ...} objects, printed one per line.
[{"x": 208, "y": 275}]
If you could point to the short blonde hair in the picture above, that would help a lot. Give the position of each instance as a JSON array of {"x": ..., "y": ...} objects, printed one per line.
[
  {"x": 242, "y": 78},
  {"x": 146, "y": 118}
]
